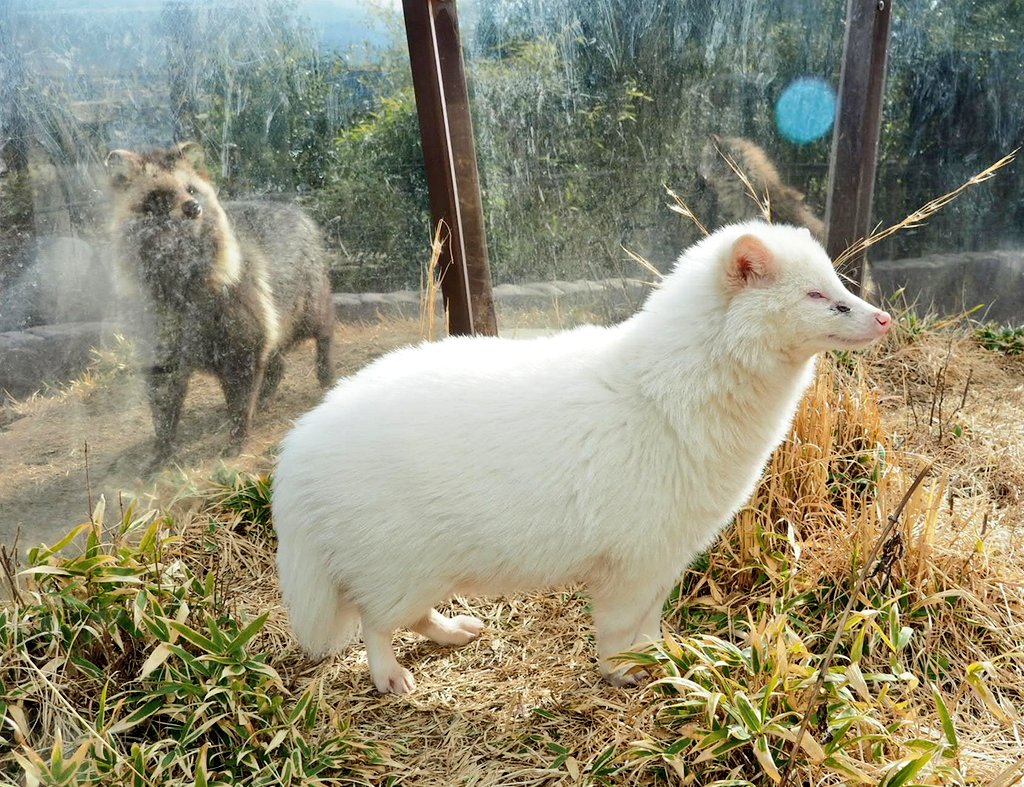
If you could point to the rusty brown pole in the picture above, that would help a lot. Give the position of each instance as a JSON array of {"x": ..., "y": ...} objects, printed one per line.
[
  {"x": 858, "y": 125},
  {"x": 442, "y": 102}
]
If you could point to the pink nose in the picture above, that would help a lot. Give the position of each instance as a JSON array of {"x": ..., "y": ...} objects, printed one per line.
[{"x": 884, "y": 320}]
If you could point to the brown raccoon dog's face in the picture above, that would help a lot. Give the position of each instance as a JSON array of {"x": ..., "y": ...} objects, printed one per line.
[
  {"x": 157, "y": 186},
  {"x": 168, "y": 221}
]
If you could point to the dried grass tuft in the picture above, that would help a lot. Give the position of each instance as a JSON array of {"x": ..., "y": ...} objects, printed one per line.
[
  {"x": 679, "y": 206},
  {"x": 430, "y": 284},
  {"x": 929, "y": 664}
]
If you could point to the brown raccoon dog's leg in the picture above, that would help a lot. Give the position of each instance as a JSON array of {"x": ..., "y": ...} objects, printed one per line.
[
  {"x": 324, "y": 372},
  {"x": 324, "y": 337},
  {"x": 275, "y": 369},
  {"x": 166, "y": 387},
  {"x": 241, "y": 378}
]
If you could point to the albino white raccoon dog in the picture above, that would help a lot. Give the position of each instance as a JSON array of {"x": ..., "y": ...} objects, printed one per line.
[{"x": 608, "y": 456}]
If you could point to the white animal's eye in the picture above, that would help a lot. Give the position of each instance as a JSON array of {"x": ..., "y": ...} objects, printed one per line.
[{"x": 816, "y": 295}]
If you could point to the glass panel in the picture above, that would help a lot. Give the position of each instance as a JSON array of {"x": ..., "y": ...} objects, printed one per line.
[
  {"x": 954, "y": 105},
  {"x": 585, "y": 111},
  {"x": 133, "y": 265}
]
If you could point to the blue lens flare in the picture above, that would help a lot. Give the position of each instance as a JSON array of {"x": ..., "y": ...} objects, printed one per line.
[{"x": 805, "y": 110}]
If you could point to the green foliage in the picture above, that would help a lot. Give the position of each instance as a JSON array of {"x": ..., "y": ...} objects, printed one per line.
[
  {"x": 374, "y": 205},
  {"x": 15, "y": 220},
  {"x": 721, "y": 706},
  {"x": 581, "y": 111},
  {"x": 540, "y": 220},
  {"x": 246, "y": 498},
  {"x": 1001, "y": 338},
  {"x": 282, "y": 140},
  {"x": 953, "y": 80},
  {"x": 156, "y": 682},
  {"x": 255, "y": 94}
]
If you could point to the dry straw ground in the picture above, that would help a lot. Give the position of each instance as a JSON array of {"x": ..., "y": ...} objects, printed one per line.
[{"x": 928, "y": 675}]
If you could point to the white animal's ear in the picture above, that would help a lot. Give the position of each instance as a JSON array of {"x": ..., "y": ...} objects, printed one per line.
[{"x": 751, "y": 263}]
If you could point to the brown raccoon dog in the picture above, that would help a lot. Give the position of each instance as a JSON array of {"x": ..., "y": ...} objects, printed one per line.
[
  {"x": 223, "y": 288},
  {"x": 734, "y": 203}
]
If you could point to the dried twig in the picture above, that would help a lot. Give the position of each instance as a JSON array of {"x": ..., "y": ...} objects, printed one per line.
[
  {"x": 967, "y": 385},
  {"x": 763, "y": 203},
  {"x": 862, "y": 579},
  {"x": 892, "y": 551},
  {"x": 683, "y": 209},
  {"x": 88, "y": 484},
  {"x": 939, "y": 390},
  {"x": 9, "y": 563},
  {"x": 918, "y": 217},
  {"x": 644, "y": 263}
]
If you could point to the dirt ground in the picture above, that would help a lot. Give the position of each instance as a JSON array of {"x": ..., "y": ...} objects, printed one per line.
[
  {"x": 60, "y": 452},
  {"x": 947, "y": 399}
]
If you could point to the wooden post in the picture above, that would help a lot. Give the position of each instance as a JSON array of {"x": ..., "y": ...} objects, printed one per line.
[
  {"x": 855, "y": 139},
  {"x": 442, "y": 102}
]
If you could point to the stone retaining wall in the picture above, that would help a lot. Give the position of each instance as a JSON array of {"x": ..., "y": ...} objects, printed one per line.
[
  {"x": 44, "y": 354},
  {"x": 951, "y": 284},
  {"x": 947, "y": 283},
  {"x": 611, "y": 299},
  {"x": 48, "y": 354}
]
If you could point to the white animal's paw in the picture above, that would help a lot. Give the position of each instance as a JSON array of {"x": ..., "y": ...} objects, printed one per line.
[
  {"x": 397, "y": 681},
  {"x": 621, "y": 676},
  {"x": 464, "y": 629}
]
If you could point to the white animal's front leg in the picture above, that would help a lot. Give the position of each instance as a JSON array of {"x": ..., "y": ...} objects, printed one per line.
[
  {"x": 622, "y": 615},
  {"x": 650, "y": 625},
  {"x": 388, "y": 675},
  {"x": 460, "y": 630}
]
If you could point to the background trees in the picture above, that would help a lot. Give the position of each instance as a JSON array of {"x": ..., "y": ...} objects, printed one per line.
[{"x": 583, "y": 109}]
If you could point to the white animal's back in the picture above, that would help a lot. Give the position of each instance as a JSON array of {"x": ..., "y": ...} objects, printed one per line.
[{"x": 609, "y": 456}]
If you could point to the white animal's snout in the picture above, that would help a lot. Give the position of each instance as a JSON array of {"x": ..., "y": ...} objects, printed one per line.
[
  {"x": 879, "y": 322},
  {"x": 858, "y": 322}
]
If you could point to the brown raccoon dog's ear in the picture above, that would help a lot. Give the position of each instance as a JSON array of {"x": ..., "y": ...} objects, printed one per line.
[
  {"x": 751, "y": 263},
  {"x": 122, "y": 166},
  {"x": 191, "y": 153}
]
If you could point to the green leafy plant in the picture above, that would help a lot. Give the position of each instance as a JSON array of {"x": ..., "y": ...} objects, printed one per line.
[
  {"x": 246, "y": 497},
  {"x": 157, "y": 681},
  {"x": 1001, "y": 338},
  {"x": 722, "y": 706}
]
